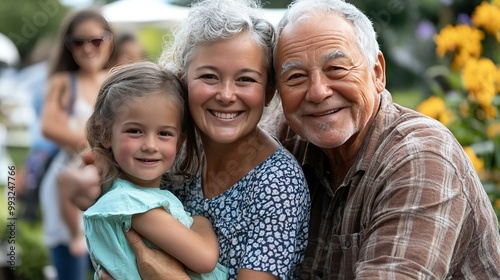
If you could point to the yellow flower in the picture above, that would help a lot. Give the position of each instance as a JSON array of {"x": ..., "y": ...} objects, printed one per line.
[
  {"x": 480, "y": 78},
  {"x": 476, "y": 162},
  {"x": 446, "y": 40},
  {"x": 462, "y": 39},
  {"x": 497, "y": 203},
  {"x": 490, "y": 111},
  {"x": 432, "y": 107},
  {"x": 473, "y": 106},
  {"x": 471, "y": 40},
  {"x": 446, "y": 117},
  {"x": 493, "y": 130},
  {"x": 487, "y": 16}
]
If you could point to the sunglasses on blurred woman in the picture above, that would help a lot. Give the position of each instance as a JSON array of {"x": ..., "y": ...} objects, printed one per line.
[{"x": 78, "y": 42}]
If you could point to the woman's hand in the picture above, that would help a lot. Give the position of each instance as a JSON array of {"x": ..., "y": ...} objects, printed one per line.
[{"x": 154, "y": 264}]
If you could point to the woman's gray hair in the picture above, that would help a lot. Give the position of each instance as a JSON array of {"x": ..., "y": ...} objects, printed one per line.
[
  {"x": 213, "y": 20},
  {"x": 365, "y": 34}
]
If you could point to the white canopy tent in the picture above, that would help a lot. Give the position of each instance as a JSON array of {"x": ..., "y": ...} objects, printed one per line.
[
  {"x": 152, "y": 11},
  {"x": 144, "y": 11},
  {"x": 8, "y": 51}
]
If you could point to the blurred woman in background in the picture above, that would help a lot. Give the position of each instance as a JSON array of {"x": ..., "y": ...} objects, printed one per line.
[{"x": 85, "y": 48}]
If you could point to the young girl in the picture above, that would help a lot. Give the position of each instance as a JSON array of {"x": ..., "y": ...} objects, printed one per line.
[{"x": 135, "y": 132}]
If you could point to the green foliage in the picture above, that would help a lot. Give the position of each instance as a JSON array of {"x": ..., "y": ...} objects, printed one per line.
[
  {"x": 407, "y": 98},
  {"x": 26, "y": 21},
  {"x": 152, "y": 38},
  {"x": 18, "y": 155},
  {"x": 33, "y": 255},
  {"x": 3, "y": 215}
]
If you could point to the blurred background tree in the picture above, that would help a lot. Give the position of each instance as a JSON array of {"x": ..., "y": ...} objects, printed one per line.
[{"x": 27, "y": 22}]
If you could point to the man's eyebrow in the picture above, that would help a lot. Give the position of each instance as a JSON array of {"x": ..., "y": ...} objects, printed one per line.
[
  {"x": 332, "y": 55},
  {"x": 287, "y": 66}
]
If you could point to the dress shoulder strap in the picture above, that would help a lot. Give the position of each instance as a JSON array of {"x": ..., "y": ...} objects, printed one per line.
[{"x": 72, "y": 94}]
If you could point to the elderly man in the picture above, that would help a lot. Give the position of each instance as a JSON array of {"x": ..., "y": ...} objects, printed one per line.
[{"x": 394, "y": 196}]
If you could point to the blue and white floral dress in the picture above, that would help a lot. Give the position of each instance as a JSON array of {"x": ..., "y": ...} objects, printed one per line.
[{"x": 262, "y": 221}]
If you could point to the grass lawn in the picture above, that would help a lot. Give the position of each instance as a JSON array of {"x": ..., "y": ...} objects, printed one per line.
[
  {"x": 409, "y": 99},
  {"x": 18, "y": 155}
]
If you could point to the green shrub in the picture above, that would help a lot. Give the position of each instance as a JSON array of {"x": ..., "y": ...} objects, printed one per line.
[{"x": 33, "y": 255}]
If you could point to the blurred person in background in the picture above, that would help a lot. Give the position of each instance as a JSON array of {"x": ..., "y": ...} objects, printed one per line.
[
  {"x": 128, "y": 49},
  {"x": 85, "y": 48},
  {"x": 32, "y": 80},
  {"x": 41, "y": 150}
]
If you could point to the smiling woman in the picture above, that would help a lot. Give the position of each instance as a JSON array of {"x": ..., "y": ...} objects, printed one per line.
[{"x": 222, "y": 80}]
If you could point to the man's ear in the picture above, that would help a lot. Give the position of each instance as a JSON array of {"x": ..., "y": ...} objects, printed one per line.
[{"x": 379, "y": 73}]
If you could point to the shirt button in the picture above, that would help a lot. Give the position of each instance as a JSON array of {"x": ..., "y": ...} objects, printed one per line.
[{"x": 347, "y": 244}]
